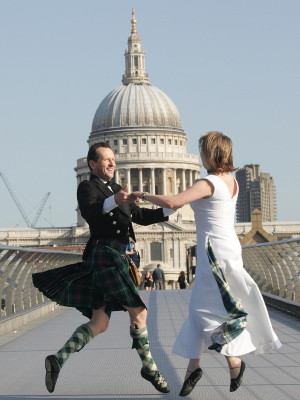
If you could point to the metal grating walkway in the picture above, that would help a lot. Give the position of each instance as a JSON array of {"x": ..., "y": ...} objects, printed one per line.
[{"x": 107, "y": 368}]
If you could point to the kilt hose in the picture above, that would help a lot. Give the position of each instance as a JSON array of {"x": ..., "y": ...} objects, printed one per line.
[{"x": 102, "y": 279}]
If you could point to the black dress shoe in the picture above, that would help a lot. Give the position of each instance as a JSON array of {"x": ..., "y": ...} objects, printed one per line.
[
  {"x": 157, "y": 380},
  {"x": 190, "y": 382},
  {"x": 52, "y": 371},
  {"x": 235, "y": 383}
]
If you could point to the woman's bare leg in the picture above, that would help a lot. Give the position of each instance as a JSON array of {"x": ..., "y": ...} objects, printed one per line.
[
  {"x": 194, "y": 363},
  {"x": 234, "y": 364}
]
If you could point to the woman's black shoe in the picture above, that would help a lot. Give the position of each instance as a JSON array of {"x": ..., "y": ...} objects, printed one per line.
[
  {"x": 235, "y": 383},
  {"x": 190, "y": 382}
]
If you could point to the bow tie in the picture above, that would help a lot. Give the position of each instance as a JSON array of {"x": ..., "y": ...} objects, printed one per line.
[{"x": 110, "y": 183}]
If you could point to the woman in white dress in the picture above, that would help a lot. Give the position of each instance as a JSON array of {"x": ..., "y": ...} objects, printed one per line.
[{"x": 227, "y": 313}]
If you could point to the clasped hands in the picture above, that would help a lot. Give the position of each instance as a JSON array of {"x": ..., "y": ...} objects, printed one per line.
[{"x": 123, "y": 197}]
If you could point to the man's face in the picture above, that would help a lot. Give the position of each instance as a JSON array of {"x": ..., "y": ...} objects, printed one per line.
[{"x": 105, "y": 166}]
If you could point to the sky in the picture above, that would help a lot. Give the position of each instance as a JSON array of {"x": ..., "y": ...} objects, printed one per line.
[{"x": 228, "y": 65}]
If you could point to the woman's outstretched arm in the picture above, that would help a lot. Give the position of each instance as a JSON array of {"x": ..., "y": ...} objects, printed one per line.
[{"x": 201, "y": 189}]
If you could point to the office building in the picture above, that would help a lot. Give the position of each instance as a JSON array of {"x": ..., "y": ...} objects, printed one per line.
[{"x": 257, "y": 190}]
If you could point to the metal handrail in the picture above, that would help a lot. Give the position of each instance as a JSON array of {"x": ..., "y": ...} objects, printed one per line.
[
  {"x": 275, "y": 267},
  {"x": 17, "y": 264}
]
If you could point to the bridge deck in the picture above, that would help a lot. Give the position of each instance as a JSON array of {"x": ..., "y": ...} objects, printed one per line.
[{"x": 108, "y": 369}]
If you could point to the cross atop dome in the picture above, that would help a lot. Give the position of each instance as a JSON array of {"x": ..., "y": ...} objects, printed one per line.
[
  {"x": 134, "y": 58},
  {"x": 133, "y": 22}
]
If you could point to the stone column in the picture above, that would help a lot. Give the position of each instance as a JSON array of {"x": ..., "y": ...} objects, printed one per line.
[
  {"x": 164, "y": 182},
  {"x": 183, "y": 180},
  {"x": 176, "y": 253},
  {"x": 173, "y": 247},
  {"x": 182, "y": 255},
  {"x": 152, "y": 181},
  {"x": 191, "y": 178},
  {"x": 147, "y": 252},
  {"x": 117, "y": 176},
  {"x": 128, "y": 179},
  {"x": 140, "y": 179},
  {"x": 175, "y": 181}
]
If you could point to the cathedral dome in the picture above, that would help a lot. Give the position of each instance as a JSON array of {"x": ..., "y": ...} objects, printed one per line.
[{"x": 136, "y": 105}]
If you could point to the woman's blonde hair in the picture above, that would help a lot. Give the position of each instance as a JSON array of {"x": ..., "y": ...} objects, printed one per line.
[{"x": 217, "y": 151}]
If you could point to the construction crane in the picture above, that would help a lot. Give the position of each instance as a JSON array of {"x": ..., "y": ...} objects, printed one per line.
[
  {"x": 39, "y": 211},
  {"x": 19, "y": 205}
]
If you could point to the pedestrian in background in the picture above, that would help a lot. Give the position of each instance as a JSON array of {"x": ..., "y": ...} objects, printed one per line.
[
  {"x": 148, "y": 281},
  {"x": 183, "y": 284},
  {"x": 158, "y": 277},
  {"x": 134, "y": 255}
]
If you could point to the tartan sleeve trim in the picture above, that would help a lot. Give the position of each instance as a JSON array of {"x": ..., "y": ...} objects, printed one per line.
[{"x": 227, "y": 331}]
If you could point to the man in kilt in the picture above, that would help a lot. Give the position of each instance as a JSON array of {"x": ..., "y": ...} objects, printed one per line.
[{"x": 101, "y": 283}]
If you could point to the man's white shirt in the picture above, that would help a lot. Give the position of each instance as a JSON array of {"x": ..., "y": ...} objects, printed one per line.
[{"x": 109, "y": 204}]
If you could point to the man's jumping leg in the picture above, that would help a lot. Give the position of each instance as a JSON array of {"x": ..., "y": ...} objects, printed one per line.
[
  {"x": 139, "y": 334},
  {"x": 81, "y": 336}
]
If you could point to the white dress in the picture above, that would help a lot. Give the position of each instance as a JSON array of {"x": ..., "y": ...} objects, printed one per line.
[{"x": 226, "y": 311}]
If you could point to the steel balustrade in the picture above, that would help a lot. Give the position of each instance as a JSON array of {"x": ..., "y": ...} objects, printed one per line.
[
  {"x": 275, "y": 267},
  {"x": 17, "y": 264}
]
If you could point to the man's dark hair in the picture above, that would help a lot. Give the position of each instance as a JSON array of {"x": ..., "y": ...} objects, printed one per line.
[{"x": 93, "y": 154}]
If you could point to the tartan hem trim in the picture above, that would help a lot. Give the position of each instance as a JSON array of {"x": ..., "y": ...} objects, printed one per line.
[{"x": 229, "y": 330}]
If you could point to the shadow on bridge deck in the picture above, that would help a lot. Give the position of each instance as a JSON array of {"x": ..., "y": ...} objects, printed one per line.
[{"x": 107, "y": 368}]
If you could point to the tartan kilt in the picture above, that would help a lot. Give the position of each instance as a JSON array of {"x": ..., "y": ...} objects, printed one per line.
[{"x": 102, "y": 279}]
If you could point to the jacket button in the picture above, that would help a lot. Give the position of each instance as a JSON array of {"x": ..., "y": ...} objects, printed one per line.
[
  {"x": 114, "y": 222},
  {"x": 111, "y": 214},
  {"x": 118, "y": 231}
]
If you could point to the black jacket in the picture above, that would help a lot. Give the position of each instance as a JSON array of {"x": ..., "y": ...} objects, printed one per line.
[{"x": 117, "y": 224}]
